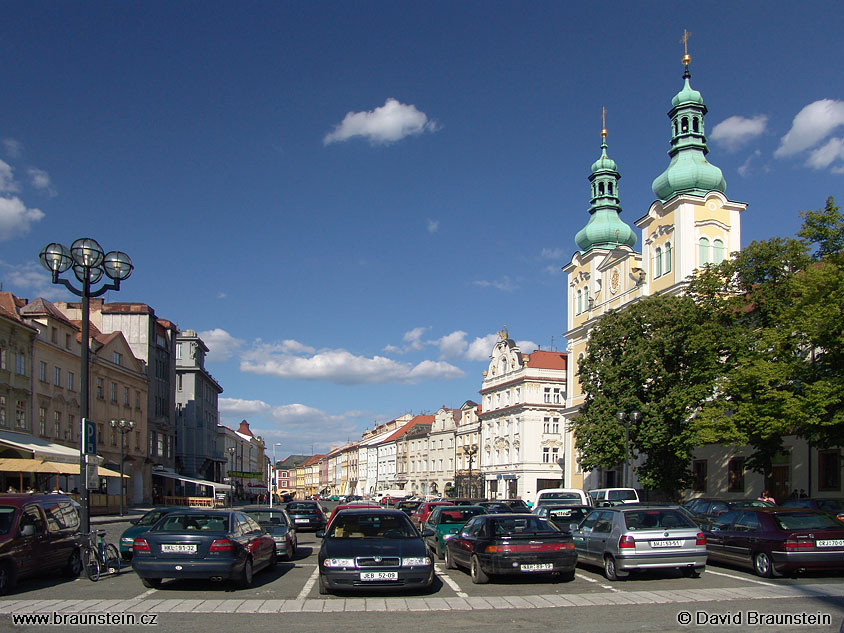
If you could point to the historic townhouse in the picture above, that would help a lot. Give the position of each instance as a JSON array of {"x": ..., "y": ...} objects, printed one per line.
[
  {"x": 467, "y": 453},
  {"x": 441, "y": 451}
]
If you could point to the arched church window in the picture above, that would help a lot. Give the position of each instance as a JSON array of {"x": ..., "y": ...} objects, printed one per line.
[
  {"x": 695, "y": 125},
  {"x": 667, "y": 257},
  {"x": 717, "y": 252},
  {"x": 658, "y": 262},
  {"x": 675, "y": 128},
  {"x": 601, "y": 188},
  {"x": 684, "y": 124},
  {"x": 609, "y": 187},
  {"x": 579, "y": 308},
  {"x": 594, "y": 193},
  {"x": 703, "y": 251}
]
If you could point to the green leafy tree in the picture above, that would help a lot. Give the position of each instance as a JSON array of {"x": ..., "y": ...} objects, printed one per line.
[{"x": 659, "y": 357}]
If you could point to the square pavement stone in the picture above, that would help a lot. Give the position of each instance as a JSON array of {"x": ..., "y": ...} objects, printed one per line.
[
  {"x": 271, "y": 606},
  {"x": 458, "y": 604},
  {"x": 539, "y": 601},
  {"x": 479, "y": 603},
  {"x": 250, "y": 606},
  {"x": 417, "y": 604},
  {"x": 207, "y": 606},
  {"x": 437, "y": 604},
  {"x": 227, "y": 606},
  {"x": 313, "y": 606},
  {"x": 559, "y": 601},
  {"x": 333, "y": 606},
  {"x": 395, "y": 604},
  {"x": 376, "y": 604},
  {"x": 354, "y": 604},
  {"x": 292, "y": 606}
]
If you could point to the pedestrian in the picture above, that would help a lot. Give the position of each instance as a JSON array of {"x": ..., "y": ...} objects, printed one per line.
[{"x": 767, "y": 498}]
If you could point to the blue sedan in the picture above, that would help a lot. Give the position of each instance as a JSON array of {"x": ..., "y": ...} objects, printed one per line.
[{"x": 203, "y": 544}]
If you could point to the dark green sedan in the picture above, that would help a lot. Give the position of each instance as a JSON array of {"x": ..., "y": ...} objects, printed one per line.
[
  {"x": 140, "y": 526},
  {"x": 443, "y": 523}
]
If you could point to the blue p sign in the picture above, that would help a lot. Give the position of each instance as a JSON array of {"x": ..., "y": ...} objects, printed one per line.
[{"x": 89, "y": 437}]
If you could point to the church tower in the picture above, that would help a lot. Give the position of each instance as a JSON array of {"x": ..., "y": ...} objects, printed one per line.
[{"x": 692, "y": 222}]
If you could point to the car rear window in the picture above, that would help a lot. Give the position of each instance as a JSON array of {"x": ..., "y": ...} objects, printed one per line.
[
  {"x": 265, "y": 517},
  {"x": 573, "y": 515},
  {"x": 521, "y": 525},
  {"x": 355, "y": 525},
  {"x": 309, "y": 508},
  {"x": 459, "y": 515},
  {"x": 152, "y": 517},
  {"x": 656, "y": 520},
  {"x": 193, "y": 522},
  {"x": 805, "y": 521},
  {"x": 622, "y": 495},
  {"x": 831, "y": 505},
  {"x": 556, "y": 496}
]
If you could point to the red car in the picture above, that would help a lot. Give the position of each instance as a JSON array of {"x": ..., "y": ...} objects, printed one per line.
[{"x": 420, "y": 515}]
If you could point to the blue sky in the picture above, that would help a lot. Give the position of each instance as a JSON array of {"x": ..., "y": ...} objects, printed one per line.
[{"x": 348, "y": 199}]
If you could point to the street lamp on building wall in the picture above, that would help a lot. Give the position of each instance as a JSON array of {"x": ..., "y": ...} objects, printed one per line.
[
  {"x": 470, "y": 452},
  {"x": 626, "y": 418},
  {"x": 89, "y": 263},
  {"x": 231, "y": 450},
  {"x": 123, "y": 427}
]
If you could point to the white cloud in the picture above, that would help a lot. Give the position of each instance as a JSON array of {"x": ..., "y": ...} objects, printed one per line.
[
  {"x": 505, "y": 283},
  {"x": 16, "y": 218},
  {"x": 736, "y": 131},
  {"x": 413, "y": 338},
  {"x": 342, "y": 367},
  {"x": 552, "y": 253},
  {"x": 527, "y": 347},
  {"x": 242, "y": 408},
  {"x": 387, "y": 124},
  {"x": 453, "y": 345},
  {"x": 221, "y": 344},
  {"x": 7, "y": 179},
  {"x": 31, "y": 280},
  {"x": 40, "y": 179},
  {"x": 811, "y": 125},
  {"x": 745, "y": 169},
  {"x": 829, "y": 153},
  {"x": 481, "y": 347},
  {"x": 433, "y": 225},
  {"x": 12, "y": 147}
]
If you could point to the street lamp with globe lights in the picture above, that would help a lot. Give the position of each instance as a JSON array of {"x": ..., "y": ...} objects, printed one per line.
[
  {"x": 231, "y": 450},
  {"x": 123, "y": 427},
  {"x": 274, "y": 484},
  {"x": 626, "y": 418},
  {"x": 89, "y": 264},
  {"x": 470, "y": 452}
]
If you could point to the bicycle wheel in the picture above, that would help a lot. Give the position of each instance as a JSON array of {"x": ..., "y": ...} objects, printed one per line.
[
  {"x": 112, "y": 559},
  {"x": 91, "y": 564}
]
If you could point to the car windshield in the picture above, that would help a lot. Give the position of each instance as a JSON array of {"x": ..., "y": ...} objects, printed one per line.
[
  {"x": 656, "y": 520},
  {"x": 453, "y": 516},
  {"x": 177, "y": 522},
  {"x": 7, "y": 515},
  {"x": 622, "y": 495},
  {"x": 303, "y": 508},
  {"x": 355, "y": 525},
  {"x": 151, "y": 517},
  {"x": 267, "y": 518},
  {"x": 559, "y": 496},
  {"x": 570, "y": 515},
  {"x": 805, "y": 521},
  {"x": 831, "y": 505},
  {"x": 521, "y": 525}
]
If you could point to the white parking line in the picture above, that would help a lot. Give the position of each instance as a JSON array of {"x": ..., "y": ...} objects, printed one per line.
[
  {"x": 307, "y": 588},
  {"x": 742, "y": 578},
  {"x": 450, "y": 582},
  {"x": 597, "y": 582}
]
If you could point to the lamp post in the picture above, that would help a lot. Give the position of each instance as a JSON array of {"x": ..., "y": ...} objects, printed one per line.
[
  {"x": 274, "y": 483},
  {"x": 123, "y": 427},
  {"x": 231, "y": 450},
  {"x": 89, "y": 263},
  {"x": 470, "y": 451},
  {"x": 625, "y": 419}
]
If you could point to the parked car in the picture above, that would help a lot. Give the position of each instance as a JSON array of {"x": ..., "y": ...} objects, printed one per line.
[
  {"x": 348, "y": 506},
  {"x": 373, "y": 549},
  {"x": 705, "y": 510},
  {"x": 613, "y": 496},
  {"x": 563, "y": 516},
  {"x": 631, "y": 537},
  {"x": 212, "y": 544},
  {"x": 278, "y": 524},
  {"x": 127, "y": 539},
  {"x": 495, "y": 507},
  {"x": 37, "y": 536},
  {"x": 833, "y": 506},
  {"x": 511, "y": 544},
  {"x": 776, "y": 541},
  {"x": 307, "y": 515},
  {"x": 408, "y": 505},
  {"x": 420, "y": 515},
  {"x": 562, "y": 496},
  {"x": 443, "y": 523}
]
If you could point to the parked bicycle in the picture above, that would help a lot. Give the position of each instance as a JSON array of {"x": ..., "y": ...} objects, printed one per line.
[{"x": 98, "y": 557}]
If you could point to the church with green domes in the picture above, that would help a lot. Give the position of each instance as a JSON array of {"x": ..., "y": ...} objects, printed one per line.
[{"x": 691, "y": 223}]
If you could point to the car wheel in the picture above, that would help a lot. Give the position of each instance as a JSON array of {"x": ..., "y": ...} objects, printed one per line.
[
  {"x": 74, "y": 564},
  {"x": 763, "y": 567},
  {"x": 449, "y": 560},
  {"x": 692, "y": 572},
  {"x": 609, "y": 568},
  {"x": 479, "y": 577},
  {"x": 273, "y": 560},
  {"x": 7, "y": 578},
  {"x": 323, "y": 589},
  {"x": 245, "y": 579},
  {"x": 151, "y": 583}
]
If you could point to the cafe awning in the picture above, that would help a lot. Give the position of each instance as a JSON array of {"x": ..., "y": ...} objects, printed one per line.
[
  {"x": 201, "y": 482},
  {"x": 21, "y": 465},
  {"x": 39, "y": 448}
]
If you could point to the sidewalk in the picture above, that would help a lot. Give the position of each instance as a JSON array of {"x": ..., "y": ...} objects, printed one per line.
[{"x": 131, "y": 514}]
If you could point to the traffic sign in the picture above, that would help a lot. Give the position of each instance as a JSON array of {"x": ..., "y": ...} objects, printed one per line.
[{"x": 89, "y": 437}]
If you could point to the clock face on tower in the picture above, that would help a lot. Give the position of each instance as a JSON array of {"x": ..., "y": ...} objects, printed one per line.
[{"x": 615, "y": 281}]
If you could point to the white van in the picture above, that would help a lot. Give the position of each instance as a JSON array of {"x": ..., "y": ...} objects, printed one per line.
[
  {"x": 562, "y": 496},
  {"x": 613, "y": 496}
]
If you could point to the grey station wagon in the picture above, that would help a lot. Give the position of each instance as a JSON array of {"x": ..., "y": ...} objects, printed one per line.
[{"x": 640, "y": 537}]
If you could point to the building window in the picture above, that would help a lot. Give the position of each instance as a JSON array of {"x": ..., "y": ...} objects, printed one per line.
[
  {"x": 699, "y": 467},
  {"x": 70, "y": 381},
  {"x": 3, "y": 411},
  {"x": 42, "y": 371},
  {"x": 703, "y": 251},
  {"x": 735, "y": 475},
  {"x": 658, "y": 262},
  {"x": 42, "y": 421},
  {"x": 57, "y": 425},
  {"x": 54, "y": 336},
  {"x": 71, "y": 425},
  {"x": 126, "y": 396},
  {"x": 100, "y": 394},
  {"x": 178, "y": 351},
  {"x": 546, "y": 425},
  {"x": 546, "y": 455},
  {"x": 137, "y": 399},
  {"x": 67, "y": 341},
  {"x": 717, "y": 252},
  {"x": 667, "y": 257},
  {"x": 829, "y": 470},
  {"x": 579, "y": 307},
  {"x": 558, "y": 395},
  {"x": 57, "y": 376},
  {"x": 114, "y": 392},
  {"x": 20, "y": 364},
  {"x": 117, "y": 358},
  {"x": 20, "y": 414},
  {"x": 2, "y": 358},
  {"x": 100, "y": 436},
  {"x": 547, "y": 395}
]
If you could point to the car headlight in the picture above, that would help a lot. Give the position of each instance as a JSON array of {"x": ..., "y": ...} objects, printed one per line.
[
  {"x": 447, "y": 536},
  {"x": 339, "y": 562},
  {"x": 415, "y": 561}
]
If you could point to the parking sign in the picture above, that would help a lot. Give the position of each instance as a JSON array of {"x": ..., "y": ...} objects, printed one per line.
[{"x": 89, "y": 437}]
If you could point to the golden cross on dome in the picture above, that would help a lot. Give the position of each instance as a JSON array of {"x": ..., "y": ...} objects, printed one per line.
[
  {"x": 603, "y": 123},
  {"x": 686, "y": 57}
]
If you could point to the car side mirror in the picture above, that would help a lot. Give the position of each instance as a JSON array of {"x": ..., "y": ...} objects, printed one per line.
[
  {"x": 428, "y": 532},
  {"x": 320, "y": 534},
  {"x": 572, "y": 527},
  {"x": 27, "y": 530}
]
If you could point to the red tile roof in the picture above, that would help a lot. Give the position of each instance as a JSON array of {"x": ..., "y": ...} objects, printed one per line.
[{"x": 540, "y": 359}]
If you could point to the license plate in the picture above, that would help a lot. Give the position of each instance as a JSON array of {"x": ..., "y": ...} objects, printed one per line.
[
  {"x": 379, "y": 575},
  {"x": 838, "y": 542},
  {"x": 538, "y": 567},
  {"x": 301, "y": 520},
  {"x": 180, "y": 549},
  {"x": 672, "y": 543}
]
